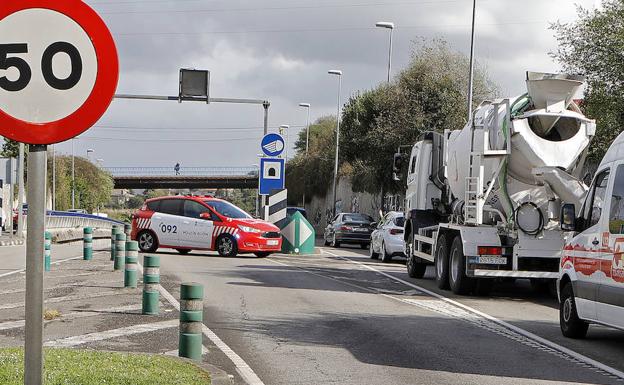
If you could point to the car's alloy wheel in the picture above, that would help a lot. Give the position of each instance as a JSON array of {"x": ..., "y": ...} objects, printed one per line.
[
  {"x": 147, "y": 242},
  {"x": 226, "y": 246},
  {"x": 385, "y": 257},
  {"x": 371, "y": 251}
]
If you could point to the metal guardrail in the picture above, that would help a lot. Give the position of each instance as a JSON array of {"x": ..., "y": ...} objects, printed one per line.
[
  {"x": 183, "y": 171},
  {"x": 63, "y": 220}
]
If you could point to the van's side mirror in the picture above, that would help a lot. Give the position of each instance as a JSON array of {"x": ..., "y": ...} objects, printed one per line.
[
  {"x": 205, "y": 216},
  {"x": 568, "y": 217}
]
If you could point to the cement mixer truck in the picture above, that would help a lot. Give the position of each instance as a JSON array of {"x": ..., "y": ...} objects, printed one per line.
[{"x": 483, "y": 203}]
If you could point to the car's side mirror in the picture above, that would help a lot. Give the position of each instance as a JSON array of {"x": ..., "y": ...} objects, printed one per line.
[
  {"x": 205, "y": 216},
  {"x": 568, "y": 217},
  {"x": 373, "y": 225}
]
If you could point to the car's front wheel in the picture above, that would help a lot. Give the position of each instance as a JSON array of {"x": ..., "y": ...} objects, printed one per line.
[
  {"x": 148, "y": 243},
  {"x": 226, "y": 246},
  {"x": 571, "y": 325}
]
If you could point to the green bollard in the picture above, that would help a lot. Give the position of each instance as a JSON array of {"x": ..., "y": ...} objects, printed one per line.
[
  {"x": 151, "y": 281},
  {"x": 87, "y": 244},
  {"x": 120, "y": 251},
  {"x": 132, "y": 259},
  {"x": 127, "y": 231},
  {"x": 47, "y": 246},
  {"x": 114, "y": 232},
  {"x": 191, "y": 320}
]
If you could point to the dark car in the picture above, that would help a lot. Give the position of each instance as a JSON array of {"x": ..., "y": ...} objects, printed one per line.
[
  {"x": 350, "y": 228},
  {"x": 290, "y": 211}
]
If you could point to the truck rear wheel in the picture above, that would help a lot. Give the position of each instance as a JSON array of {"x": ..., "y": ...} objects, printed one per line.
[
  {"x": 442, "y": 263},
  {"x": 459, "y": 282}
]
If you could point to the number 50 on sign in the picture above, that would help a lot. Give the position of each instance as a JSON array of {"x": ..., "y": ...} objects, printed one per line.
[{"x": 58, "y": 69}]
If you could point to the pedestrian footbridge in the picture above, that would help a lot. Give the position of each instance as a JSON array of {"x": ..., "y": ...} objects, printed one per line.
[{"x": 185, "y": 177}]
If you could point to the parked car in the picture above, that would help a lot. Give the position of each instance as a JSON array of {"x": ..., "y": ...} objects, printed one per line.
[
  {"x": 16, "y": 214},
  {"x": 351, "y": 228},
  {"x": 387, "y": 239},
  {"x": 591, "y": 277},
  {"x": 193, "y": 222}
]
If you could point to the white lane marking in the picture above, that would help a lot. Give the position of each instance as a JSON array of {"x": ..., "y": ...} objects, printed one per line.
[
  {"x": 63, "y": 299},
  {"x": 524, "y": 333},
  {"x": 108, "y": 334},
  {"x": 64, "y": 317},
  {"x": 243, "y": 369},
  {"x": 52, "y": 263}
]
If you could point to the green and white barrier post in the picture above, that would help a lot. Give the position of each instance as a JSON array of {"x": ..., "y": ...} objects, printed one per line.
[
  {"x": 151, "y": 281},
  {"x": 298, "y": 235},
  {"x": 47, "y": 250},
  {"x": 191, "y": 320},
  {"x": 120, "y": 250},
  {"x": 114, "y": 232},
  {"x": 132, "y": 259},
  {"x": 127, "y": 230},
  {"x": 87, "y": 240}
]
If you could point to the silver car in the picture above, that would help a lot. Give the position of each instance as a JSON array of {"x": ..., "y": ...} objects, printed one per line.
[{"x": 387, "y": 239}]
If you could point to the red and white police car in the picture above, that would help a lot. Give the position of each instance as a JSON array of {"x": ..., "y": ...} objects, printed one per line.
[{"x": 192, "y": 222}]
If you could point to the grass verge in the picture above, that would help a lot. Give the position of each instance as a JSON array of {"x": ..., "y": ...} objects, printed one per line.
[{"x": 88, "y": 367}]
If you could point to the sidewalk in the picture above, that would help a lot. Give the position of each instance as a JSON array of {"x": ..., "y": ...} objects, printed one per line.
[{"x": 89, "y": 309}]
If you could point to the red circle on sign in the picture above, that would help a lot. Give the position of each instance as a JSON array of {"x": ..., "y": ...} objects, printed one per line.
[{"x": 105, "y": 82}]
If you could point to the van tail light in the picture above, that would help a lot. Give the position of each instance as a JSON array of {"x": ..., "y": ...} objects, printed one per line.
[
  {"x": 490, "y": 250},
  {"x": 396, "y": 231},
  {"x": 345, "y": 228}
]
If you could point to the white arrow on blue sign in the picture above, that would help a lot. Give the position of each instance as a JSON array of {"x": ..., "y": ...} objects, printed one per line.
[{"x": 273, "y": 145}]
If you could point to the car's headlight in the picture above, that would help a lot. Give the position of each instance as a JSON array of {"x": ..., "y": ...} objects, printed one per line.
[{"x": 247, "y": 229}]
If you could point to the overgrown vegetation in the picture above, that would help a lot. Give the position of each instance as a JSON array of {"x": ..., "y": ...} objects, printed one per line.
[
  {"x": 429, "y": 95},
  {"x": 593, "y": 45}
]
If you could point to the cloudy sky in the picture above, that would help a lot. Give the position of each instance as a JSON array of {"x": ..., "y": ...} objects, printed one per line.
[{"x": 280, "y": 50}]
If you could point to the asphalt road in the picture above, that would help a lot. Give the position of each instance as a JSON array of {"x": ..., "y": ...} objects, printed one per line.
[{"x": 327, "y": 319}]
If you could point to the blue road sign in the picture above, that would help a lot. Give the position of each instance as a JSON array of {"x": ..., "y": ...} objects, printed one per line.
[
  {"x": 272, "y": 145},
  {"x": 272, "y": 175}
]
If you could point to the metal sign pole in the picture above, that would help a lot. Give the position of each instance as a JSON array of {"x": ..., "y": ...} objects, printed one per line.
[{"x": 33, "y": 348}]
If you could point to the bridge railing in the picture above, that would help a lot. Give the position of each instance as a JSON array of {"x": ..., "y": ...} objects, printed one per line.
[
  {"x": 56, "y": 220},
  {"x": 183, "y": 171}
]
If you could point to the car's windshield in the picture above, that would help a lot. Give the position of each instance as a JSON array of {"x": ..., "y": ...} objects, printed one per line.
[
  {"x": 227, "y": 209},
  {"x": 357, "y": 218}
]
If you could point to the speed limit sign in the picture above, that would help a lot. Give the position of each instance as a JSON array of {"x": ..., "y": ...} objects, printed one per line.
[{"x": 58, "y": 69}]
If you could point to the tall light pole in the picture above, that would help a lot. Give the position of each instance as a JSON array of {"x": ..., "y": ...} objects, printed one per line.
[
  {"x": 471, "y": 70},
  {"x": 306, "y": 106},
  {"x": 390, "y": 26},
  {"x": 286, "y": 128},
  {"x": 339, "y": 74},
  {"x": 257, "y": 166},
  {"x": 73, "y": 178}
]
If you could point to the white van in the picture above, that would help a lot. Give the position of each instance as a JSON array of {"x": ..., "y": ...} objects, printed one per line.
[{"x": 591, "y": 280}]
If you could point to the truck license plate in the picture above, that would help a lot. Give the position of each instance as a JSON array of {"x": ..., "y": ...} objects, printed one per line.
[
  {"x": 488, "y": 260},
  {"x": 272, "y": 242}
]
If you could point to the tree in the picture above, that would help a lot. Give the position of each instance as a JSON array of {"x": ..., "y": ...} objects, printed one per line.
[
  {"x": 93, "y": 186},
  {"x": 135, "y": 202},
  {"x": 593, "y": 46},
  {"x": 313, "y": 173},
  {"x": 429, "y": 95}
]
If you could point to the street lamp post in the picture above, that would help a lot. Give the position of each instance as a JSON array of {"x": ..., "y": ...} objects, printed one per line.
[
  {"x": 390, "y": 26},
  {"x": 282, "y": 128},
  {"x": 257, "y": 166},
  {"x": 53, "y": 178},
  {"x": 471, "y": 70},
  {"x": 306, "y": 106},
  {"x": 339, "y": 74}
]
